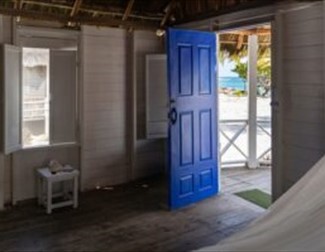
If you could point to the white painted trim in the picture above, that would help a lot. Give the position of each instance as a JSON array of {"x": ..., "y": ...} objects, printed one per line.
[
  {"x": 2, "y": 181},
  {"x": 252, "y": 101},
  {"x": 148, "y": 57},
  {"x": 10, "y": 149},
  {"x": 80, "y": 126},
  {"x": 218, "y": 134},
  {"x": 52, "y": 146},
  {"x": 131, "y": 104},
  {"x": 323, "y": 12},
  {"x": 14, "y": 182},
  {"x": 14, "y": 31},
  {"x": 27, "y": 31}
]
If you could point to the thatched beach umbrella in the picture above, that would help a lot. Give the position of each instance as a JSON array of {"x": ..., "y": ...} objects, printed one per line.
[
  {"x": 33, "y": 57},
  {"x": 234, "y": 44}
]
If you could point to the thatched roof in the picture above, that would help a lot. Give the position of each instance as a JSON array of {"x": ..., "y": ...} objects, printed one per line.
[
  {"x": 235, "y": 43},
  {"x": 150, "y": 14}
]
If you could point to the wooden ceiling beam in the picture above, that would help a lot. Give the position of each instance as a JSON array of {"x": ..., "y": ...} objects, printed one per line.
[
  {"x": 99, "y": 21},
  {"x": 223, "y": 7},
  {"x": 169, "y": 10},
  {"x": 76, "y": 7},
  {"x": 128, "y": 10},
  {"x": 18, "y": 5},
  {"x": 240, "y": 42},
  {"x": 93, "y": 11},
  {"x": 49, "y": 5}
]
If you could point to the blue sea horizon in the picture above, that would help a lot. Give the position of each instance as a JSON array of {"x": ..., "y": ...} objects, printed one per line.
[{"x": 232, "y": 83}]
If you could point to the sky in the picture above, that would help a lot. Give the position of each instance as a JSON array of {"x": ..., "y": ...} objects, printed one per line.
[{"x": 225, "y": 69}]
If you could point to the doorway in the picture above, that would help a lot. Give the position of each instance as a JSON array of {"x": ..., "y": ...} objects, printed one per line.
[
  {"x": 186, "y": 59},
  {"x": 245, "y": 116}
]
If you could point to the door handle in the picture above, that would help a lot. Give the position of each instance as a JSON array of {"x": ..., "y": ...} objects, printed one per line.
[
  {"x": 172, "y": 115},
  {"x": 274, "y": 104}
]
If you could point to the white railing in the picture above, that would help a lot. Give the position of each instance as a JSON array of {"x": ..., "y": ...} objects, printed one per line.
[
  {"x": 234, "y": 142},
  {"x": 35, "y": 110},
  {"x": 264, "y": 132},
  {"x": 230, "y": 132}
]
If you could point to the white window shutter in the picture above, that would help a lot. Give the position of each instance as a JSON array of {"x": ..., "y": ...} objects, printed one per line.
[
  {"x": 157, "y": 96},
  {"x": 12, "y": 91},
  {"x": 63, "y": 91}
]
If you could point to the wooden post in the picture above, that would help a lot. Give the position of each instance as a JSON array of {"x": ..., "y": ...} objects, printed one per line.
[
  {"x": 277, "y": 109},
  {"x": 2, "y": 156},
  {"x": 252, "y": 101},
  {"x": 2, "y": 181},
  {"x": 131, "y": 104}
]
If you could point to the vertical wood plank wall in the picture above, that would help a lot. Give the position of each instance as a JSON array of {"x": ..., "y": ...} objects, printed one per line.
[
  {"x": 104, "y": 158},
  {"x": 2, "y": 163},
  {"x": 303, "y": 92},
  {"x": 104, "y": 130},
  {"x": 105, "y": 155},
  {"x": 24, "y": 164},
  {"x": 19, "y": 168},
  {"x": 21, "y": 165},
  {"x": 150, "y": 154}
]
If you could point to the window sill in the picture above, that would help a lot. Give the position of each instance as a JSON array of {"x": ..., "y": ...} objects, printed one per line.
[{"x": 51, "y": 146}]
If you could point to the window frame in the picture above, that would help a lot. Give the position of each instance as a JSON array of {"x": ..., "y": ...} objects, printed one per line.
[{"x": 53, "y": 39}]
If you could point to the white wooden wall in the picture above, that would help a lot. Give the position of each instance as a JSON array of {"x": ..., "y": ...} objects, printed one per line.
[
  {"x": 106, "y": 58},
  {"x": 302, "y": 87},
  {"x": 150, "y": 154},
  {"x": 104, "y": 129},
  {"x": 21, "y": 165},
  {"x": 105, "y": 154},
  {"x": 24, "y": 164},
  {"x": 17, "y": 171}
]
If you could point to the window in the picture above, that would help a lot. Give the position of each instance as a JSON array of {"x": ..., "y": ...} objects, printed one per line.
[
  {"x": 40, "y": 97},
  {"x": 35, "y": 95}
]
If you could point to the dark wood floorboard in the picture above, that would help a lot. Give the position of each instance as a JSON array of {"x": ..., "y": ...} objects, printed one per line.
[{"x": 129, "y": 218}]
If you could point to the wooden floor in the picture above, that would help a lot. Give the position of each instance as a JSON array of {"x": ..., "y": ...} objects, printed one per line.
[
  {"x": 239, "y": 179},
  {"x": 128, "y": 218}
]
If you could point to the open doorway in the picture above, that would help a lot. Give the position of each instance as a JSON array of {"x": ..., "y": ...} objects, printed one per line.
[
  {"x": 244, "y": 119},
  {"x": 244, "y": 109}
]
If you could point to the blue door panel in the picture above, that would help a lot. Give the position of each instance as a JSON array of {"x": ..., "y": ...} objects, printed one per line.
[
  {"x": 192, "y": 132},
  {"x": 185, "y": 67},
  {"x": 206, "y": 141},
  {"x": 186, "y": 135},
  {"x": 204, "y": 70},
  {"x": 206, "y": 179}
]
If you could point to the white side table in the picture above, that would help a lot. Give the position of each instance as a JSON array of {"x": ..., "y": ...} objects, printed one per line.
[{"x": 45, "y": 181}]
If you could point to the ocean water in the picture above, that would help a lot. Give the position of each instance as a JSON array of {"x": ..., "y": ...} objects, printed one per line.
[{"x": 232, "y": 82}]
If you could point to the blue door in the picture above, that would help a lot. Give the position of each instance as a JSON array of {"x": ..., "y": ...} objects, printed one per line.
[{"x": 192, "y": 117}]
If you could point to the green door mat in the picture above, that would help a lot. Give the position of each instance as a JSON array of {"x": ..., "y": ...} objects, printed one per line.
[{"x": 257, "y": 197}]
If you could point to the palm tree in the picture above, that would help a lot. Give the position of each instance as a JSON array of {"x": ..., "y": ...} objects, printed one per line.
[{"x": 231, "y": 49}]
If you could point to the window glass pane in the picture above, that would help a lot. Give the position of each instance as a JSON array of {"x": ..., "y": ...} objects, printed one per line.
[{"x": 35, "y": 97}]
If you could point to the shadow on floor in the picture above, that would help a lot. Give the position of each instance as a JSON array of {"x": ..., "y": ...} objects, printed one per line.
[{"x": 128, "y": 218}]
